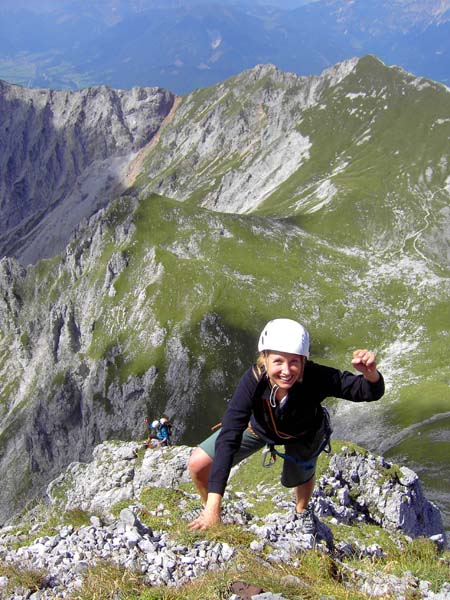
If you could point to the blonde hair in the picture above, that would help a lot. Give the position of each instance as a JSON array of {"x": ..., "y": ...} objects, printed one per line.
[
  {"x": 261, "y": 361},
  {"x": 259, "y": 367}
]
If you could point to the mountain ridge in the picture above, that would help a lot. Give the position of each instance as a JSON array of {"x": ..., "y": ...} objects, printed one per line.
[{"x": 235, "y": 105}]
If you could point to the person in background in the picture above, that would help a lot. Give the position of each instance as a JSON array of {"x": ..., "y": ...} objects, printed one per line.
[
  {"x": 278, "y": 402},
  {"x": 152, "y": 433},
  {"x": 163, "y": 433}
]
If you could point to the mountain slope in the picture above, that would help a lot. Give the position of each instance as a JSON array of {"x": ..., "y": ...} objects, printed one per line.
[
  {"x": 156, "y": 303},
  {"x": 361, "y": 132},
  {"x": 63, "y": 154}
]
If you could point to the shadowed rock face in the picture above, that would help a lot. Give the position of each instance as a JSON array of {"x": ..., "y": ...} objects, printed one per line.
[{"x": 64, "y": 154}]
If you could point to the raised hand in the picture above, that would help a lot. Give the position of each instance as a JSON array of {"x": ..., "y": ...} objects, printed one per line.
[{"x": 364, "y": 362}]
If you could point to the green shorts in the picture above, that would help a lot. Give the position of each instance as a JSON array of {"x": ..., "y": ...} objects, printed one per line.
[{"x": 293, "y": 473}]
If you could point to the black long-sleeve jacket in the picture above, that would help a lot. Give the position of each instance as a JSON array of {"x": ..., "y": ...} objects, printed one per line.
[{"x": 298, "y": 419}]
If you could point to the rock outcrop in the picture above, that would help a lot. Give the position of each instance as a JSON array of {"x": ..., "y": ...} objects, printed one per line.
[
  {"x": 390, "y": 496},
  {"x": 116, "y": 473},
  {"x": 358, "y": 486}
]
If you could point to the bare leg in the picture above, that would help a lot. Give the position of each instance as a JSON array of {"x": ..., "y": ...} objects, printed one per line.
[
  {"x": 199, "y": 468},
  {"x": 303, "y": 493}
]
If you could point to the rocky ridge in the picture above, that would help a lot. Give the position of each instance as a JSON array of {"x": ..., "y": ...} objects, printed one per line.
[
  {"x": 355, "y": 488},
  {"x": 260, "y": 110}
]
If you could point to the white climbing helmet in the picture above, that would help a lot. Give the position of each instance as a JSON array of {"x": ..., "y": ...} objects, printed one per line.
[
  {"x": 284, "y": 335},
  {"x": 155, "y": 424}
]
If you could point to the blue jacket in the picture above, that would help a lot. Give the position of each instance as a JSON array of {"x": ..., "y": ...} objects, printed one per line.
[{"x": 163, "y": 433}]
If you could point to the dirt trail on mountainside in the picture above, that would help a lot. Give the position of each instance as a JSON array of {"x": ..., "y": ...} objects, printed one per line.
[{"x": 135, "y": 166}]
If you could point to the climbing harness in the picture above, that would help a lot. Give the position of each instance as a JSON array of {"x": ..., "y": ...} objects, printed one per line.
[{"x": 270, "y": 453}]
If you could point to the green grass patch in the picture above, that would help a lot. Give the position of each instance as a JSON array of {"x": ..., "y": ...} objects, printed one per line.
[
  {"x": 427, "y": 447},
  {"x": 51, "y": 521},
  {"x": 420, "y": 556},
  {"x": 59, "y": 379},
  {"x": 20, "y": 577},
  {"x": 60, "y": 488},
  {"x": 9, "y": 390},
  {"x": 311, "y": 577},
  {"x": 108, "y": 581},
  {"x": 419, "y": 402}
]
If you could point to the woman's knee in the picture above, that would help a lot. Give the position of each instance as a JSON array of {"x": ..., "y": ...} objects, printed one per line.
[{"x": 199, "y": 461}]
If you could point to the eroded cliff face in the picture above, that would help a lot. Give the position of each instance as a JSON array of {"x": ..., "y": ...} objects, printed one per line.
[
  {"x": 56, "y": 401},
  {"x": 64, "y": 155},
  {"x": 82, "y": 342}
]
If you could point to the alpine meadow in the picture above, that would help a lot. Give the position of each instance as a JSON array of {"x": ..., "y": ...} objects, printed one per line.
[{"x": 323, "y": 199}]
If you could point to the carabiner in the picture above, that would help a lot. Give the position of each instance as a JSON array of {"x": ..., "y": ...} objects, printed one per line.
[{"x": 269, "y": 457}]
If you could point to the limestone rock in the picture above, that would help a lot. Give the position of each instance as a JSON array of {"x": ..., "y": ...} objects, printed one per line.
[
  {"x": 392, "y": 498},
  {"x": 118, "y": 471}
]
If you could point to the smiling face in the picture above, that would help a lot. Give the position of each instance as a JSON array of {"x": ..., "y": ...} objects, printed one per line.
[{"x": 284, "y": 369}]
